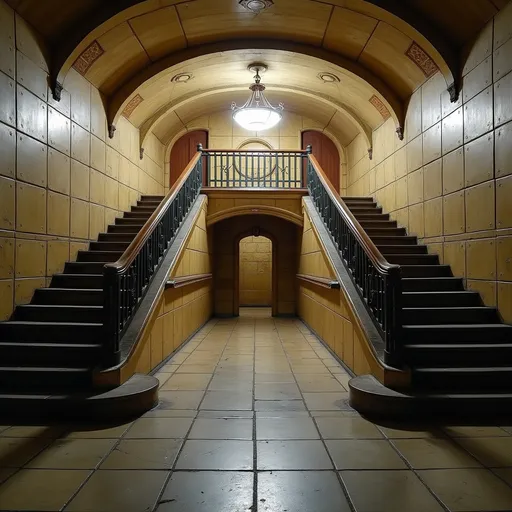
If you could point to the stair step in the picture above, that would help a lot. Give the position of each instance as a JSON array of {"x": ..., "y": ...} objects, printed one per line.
[
  {"x": 116, "y": 237},
  {"x": 143, "y": 208},
  {"x": 109, "y": 246},
  {"x": 402, "y": 249},
  {"x": 152, "y": 198},
  {"x": 426, "y": 271},
  {"x": 59, "y": 313},
  {"x": 49, "y": 354},
  {"x": 137, "y": 215},
  {"x": 44, "y": 378},
  {"x": 148, "y": 204},
  {"x": 68, "y": 296},
  {"x": 465, "y": 333},
  {"x": 394, "y": 240},
  {"x": 98, "y": 256},
  {"x": 67, "y": 332},
  {"x": 458, "y": 354},
  {"x": 84, "y": 267},
  {"x": 465, "y": 379},
  {"x": 81, "y": 281},
  {"x": 123, "y": 228},
  {"x": 413, "y": 259},
  {"x": 120, "y": 221},
  {"x": 449, "y": 315},
  {"x": 363, "y": 210},
  {"x": 431, "y": 284},
  {"x": 440, "y": 299},
  {"x": 357, "y": 198},
  {"x": 378, "y": 224},
  {"x": 385, "y": 232},
  {"x": 361, "y": 204}
]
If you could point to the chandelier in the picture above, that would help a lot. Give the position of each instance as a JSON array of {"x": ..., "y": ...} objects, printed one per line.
[{"x": 257, "y": 114}]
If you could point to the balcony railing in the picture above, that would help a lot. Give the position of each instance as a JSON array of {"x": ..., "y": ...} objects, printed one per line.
[
  {"x": 127, "y": 280},
  {"x": 254, "y": 168},
  {"x": 377, "y": 281}
]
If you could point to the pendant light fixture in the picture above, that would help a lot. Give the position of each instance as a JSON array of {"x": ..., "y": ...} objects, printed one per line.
[{"x": 257, "y": 114}]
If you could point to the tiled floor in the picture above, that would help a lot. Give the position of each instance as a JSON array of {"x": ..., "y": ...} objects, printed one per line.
[{"x": 254, "y": 417}]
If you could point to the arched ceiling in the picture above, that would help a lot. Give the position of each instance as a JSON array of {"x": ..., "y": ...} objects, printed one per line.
[{"x": 382, "y": 50}]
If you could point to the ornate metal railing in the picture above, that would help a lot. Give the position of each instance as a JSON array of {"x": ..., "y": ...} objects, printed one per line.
[
  {"x": 254, "y": 168},
  {"x": 126, "y": 281},
  {"x": 377, "y": 281}
]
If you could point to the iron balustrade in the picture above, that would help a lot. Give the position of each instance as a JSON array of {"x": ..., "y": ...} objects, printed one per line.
[
  {"x": 254, "y": 168},
  {"x": 127, "y": 280},
  {"x": 377, "y": 281}
]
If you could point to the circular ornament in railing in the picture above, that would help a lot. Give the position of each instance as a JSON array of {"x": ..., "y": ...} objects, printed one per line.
[{"x": 257, "y": 164}]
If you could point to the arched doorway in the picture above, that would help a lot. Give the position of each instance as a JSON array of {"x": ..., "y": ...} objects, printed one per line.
[
  {"x": 326, "y": 153},
  {"x": 183, "y": 151},
  {"x": 255, "y": 272}
]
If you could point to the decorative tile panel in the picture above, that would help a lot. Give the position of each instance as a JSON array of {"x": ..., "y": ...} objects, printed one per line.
[
  {"x": 422, "y": 59},
  {"x": 132, "y": 105},
  {"x": 88, "y": 57},
  {"x": 379, "y": 105}
]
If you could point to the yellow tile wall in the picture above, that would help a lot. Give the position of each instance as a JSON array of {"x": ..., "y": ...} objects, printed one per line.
[
  {"x": 326, "y": 311},
  {"x": 255, "y": 271},
  {"x": 453, "y": 189},
  {"x": 62, "y": 180}
]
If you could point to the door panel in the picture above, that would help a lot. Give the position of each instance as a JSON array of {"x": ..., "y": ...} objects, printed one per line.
[
  {"x": 326, "y": 153},
  {"x": 183, "y": 151}
]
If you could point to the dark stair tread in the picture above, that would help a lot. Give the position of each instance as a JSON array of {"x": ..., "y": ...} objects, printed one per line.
[
  {"x": 49, "y": 344},
  {"x": 56, "y": 324},
  {"x": 460, "y": 326},
  {"x": 451, "y": 308},
  {"x": 452, "y": 346},
  {"x": 59, "y": 306},
  {"x": 464, "y": 369},
  {"x": 43, "y": 369}
]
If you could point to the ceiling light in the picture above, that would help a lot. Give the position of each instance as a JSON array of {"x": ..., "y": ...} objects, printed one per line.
[
  {"x": 256, "y": 6},
  {"x": 328, "y": 78},
  {"x": 182, "y": 78},
  {"x": 257, "y": 114}
]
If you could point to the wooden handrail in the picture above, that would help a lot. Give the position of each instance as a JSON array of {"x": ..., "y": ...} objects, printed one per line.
[
  {"x": 296, "y": 151},
  {"x": 362, "y": 237},
  {"x": 138, "y": 242},
  {"x": 323, "y": 282},
  {"x": 179, "y": 282}
]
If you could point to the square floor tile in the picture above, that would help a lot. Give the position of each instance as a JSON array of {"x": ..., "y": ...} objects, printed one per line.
[
  {"x": 312, "y": 369},
  {"x": 304, "y": 491},
  {"x": 162, "y": 377},
  {"x": 277, "y": 391},
  {"x": 388, "y": 491},
  {"x": 143, "y": 454},
  {"x": 40, "y": 489},
  {"x": 222, "y": 428},
  {"x": 180, "y": 399},
  {"x": 323, "y": 384},
  {"x": 494, "y": 452},
  {"x": 163, "y": 428},
  {"x": 434, "y": 454},
  {"x": 197, "y": 368},
  {"x": 286, "y": 428},
  {"x": 325, "y": 401},
  {"x": 227, "y": 400},
  {"x": 116, "y": 491},
  {"x": 347, "y": 428},
  {"x": 170, "y": 413},
  {"x": 96, "y": 431},
  {"x": 207, "y": 491},
  {"x": 364, "y": 454},
  {"x": 279, "y": 405},
  {"x": 225, "y": 414},
  {"x": 469, "y": 489},
  {"x": 73, "y": 454},
  {"x": 276, "y": 455},
  {"x": 274, "y": 377},
  {"x": 187, "y": 382},
  {"x": 225, "y": 382},
  {"x": 217, "y": 454},
  {"x": 16, "y": 452}
]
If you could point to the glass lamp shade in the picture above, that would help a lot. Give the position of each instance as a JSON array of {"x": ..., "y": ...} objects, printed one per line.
[{"x": 257, "y": 119}]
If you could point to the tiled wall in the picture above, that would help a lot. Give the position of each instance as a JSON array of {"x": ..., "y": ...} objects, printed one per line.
[
  {"x": 180, "y": 311},
  {"x": 326, "y": 311},
  {"x": 62, "y": 180},
  {"x": 255, "y": 271},
  {"x": 450, "y": 181}
]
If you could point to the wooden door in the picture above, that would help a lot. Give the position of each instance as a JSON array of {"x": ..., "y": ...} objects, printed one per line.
[
  {"x": 183, "y": 151},
  {"x": 326, "y": 153}
]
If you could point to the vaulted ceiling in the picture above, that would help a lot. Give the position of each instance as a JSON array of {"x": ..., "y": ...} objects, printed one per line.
[{"x": 379, "y": 50}]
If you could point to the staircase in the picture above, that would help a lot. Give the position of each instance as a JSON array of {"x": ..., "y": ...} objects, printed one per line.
[
  {"x": 451, "y": 341},
  {"x": 54, "y": 343}
]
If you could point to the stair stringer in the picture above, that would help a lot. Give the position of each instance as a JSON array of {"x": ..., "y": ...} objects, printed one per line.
[
  {"x": 367, "y": 334},
  {"x": 138, "y": 353}
]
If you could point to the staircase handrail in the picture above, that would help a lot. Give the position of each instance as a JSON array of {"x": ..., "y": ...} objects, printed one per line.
[
  {"x": 377, "y": 280},
  {"x": 126, "y": 280}
]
